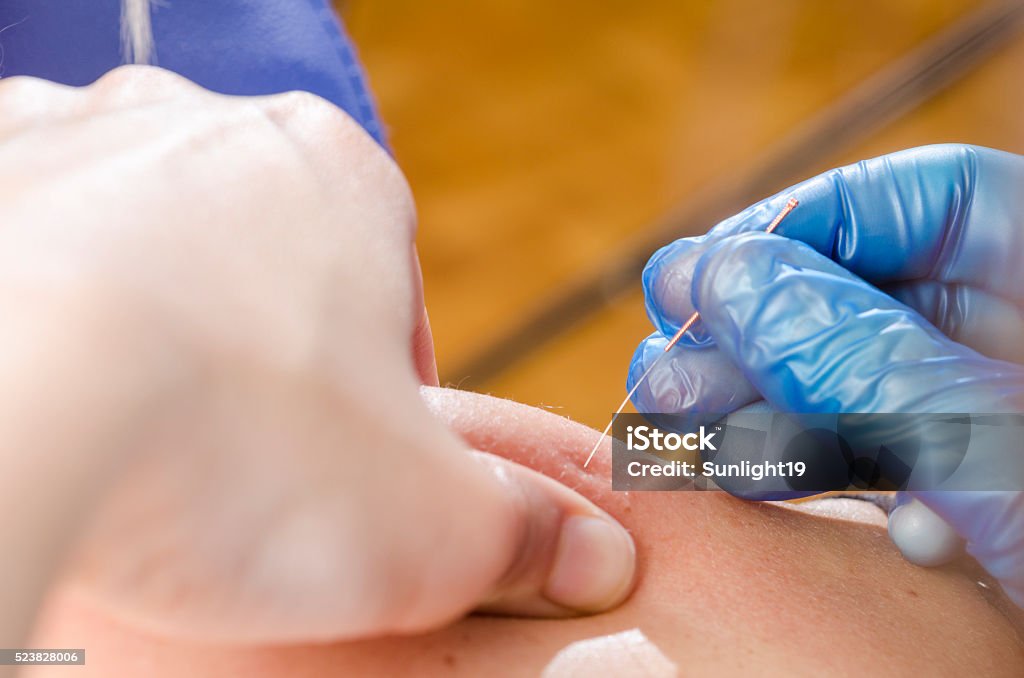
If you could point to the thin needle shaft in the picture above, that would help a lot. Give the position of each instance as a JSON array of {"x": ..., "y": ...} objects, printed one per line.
[
  {"x": 690, "y": 322},
  {"x": 629, "y": 396}
]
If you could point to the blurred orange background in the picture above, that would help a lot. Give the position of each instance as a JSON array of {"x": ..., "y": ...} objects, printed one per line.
[{"x": 547, "y": 143}]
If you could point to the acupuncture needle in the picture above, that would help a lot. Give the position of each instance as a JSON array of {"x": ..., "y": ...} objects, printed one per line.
[{"x": 690, "y": 322}]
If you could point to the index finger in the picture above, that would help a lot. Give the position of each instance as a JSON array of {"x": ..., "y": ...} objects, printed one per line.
[{"x": 949, "y": 213}]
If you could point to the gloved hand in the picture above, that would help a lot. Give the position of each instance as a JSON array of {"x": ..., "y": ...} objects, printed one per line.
[
  {"x": 247, "y": 47},
  {"x": 896, "y": 286}
]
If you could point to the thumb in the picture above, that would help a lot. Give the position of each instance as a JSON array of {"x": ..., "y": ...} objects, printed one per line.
[
  {"x": 492, "y": 535},
  {"x": 564, "y": 555},
  {"x": 814, "y": 338}
]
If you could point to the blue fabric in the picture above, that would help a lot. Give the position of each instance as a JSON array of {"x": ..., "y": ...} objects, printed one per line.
[
  {"x": 247, "y": 47},
  {"x": 897, "y": 286}
]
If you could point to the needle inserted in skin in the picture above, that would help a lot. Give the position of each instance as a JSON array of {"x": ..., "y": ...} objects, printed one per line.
[{"x": 690, "y": 322}]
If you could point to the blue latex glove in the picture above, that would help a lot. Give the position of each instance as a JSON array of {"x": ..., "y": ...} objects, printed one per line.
[
  {"x": 898, "y": 287},
  {"x": 247, "y": 47}
]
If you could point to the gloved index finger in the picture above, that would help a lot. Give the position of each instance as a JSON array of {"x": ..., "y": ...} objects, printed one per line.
[{"x": 949, "y": 213}]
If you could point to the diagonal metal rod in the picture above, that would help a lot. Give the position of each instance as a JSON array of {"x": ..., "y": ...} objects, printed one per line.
[{"x": 690, "y": 322}]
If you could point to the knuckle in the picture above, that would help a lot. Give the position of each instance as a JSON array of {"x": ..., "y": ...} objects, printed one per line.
[
  {"x": 510, "y": 505},
  {"x": 25, "y": 91},
  {"x": 301, "y": 113},
  {"x": 339, "y": 144},
  {"x": 28, "y": 102},
  {"x": 20, "y": 85},
  {"x": 297, "y": 100},
  {"x": 136, "y": 83},
  {"x": 138, "y": 73}
]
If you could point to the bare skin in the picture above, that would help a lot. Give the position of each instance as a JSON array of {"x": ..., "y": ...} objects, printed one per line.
[
  {"x": 725, "y": 588},
  {"x": 212, "y": 322}
]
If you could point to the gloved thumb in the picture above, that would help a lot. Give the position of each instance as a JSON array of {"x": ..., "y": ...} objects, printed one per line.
[{"x": 814, "y": 338}]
